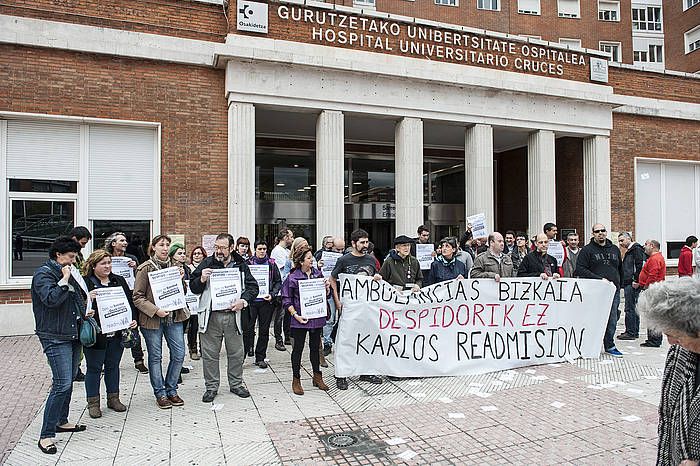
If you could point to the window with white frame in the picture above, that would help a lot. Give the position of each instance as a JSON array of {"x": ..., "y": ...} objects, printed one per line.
[
  {"x": 646, "y": 18},
  {"x": 690, "y": 3},
  {"x": 364, "y": 4},
  {"x": 47, "y": 162},
  {"x": 666, "y": 206},
  {"x": 529, "y": 7},
  {"x": 488, "y": 5},
  {"x": 613, "y": 48},
  {"x": 608, "y": 10},
  {"x": 573, "y": 43},
  {"x": 569, "y": 8},
  {"x": 447, "y": 2},
  {"x": 530, "y": 36},
  {"x": 692, "y": 40}
]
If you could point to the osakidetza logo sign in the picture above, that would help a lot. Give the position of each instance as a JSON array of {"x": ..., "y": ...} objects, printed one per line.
[{"x": 251, "y": 16}]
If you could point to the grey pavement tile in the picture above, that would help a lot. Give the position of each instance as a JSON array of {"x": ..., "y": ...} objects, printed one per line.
[
  {"x": 260, "y": 452},
  {"x": 146, "y": 457},
  {"x": 198, "y": 456}
]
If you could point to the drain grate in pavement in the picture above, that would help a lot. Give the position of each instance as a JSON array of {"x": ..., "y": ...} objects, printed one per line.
[{"x": 355, "y": 441}]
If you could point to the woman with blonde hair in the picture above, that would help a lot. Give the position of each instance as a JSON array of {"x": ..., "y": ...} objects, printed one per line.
[
  {"x": 107, "y": 351},
  {"x": 157, "y": 323}
]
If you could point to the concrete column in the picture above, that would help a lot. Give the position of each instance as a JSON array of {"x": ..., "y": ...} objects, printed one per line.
[
  {"x": 541, "y": 187},
  {"x": 409, "y": 176},
  {"x": 241, "y": 170},
  {"x": 330, "y": 155},
  {"x": 596, "y": 183},
  {"x": 478, "y": 169}
]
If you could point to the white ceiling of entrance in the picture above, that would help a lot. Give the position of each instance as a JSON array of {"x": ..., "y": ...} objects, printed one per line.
[{"x": 363, "y": 130}]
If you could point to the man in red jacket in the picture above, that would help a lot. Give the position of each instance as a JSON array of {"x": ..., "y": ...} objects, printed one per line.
[
  {"x": 685, "y": 260},
  {"x": 654, "y": 270}
]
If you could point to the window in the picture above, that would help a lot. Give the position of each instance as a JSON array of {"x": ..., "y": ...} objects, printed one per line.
[
  {"x": 692, "y": 40},
  {"x": 608, "y": 11},
  {"x": 569, "y": 8},
  {"x": 646, "y": 19},
  {"x": 655, "y": 54},
  {"x": 613, "y": 48},
  {"x": 530, "y": 36},
  {"x": 364, "y": 4},
  {"x": 447, "y": 2},
  {"x": 529, "y": 7},
  {"x": 572, "y": 43},
  {"x": 488, "y": 5},
  {"x": 690, "y": 3}
]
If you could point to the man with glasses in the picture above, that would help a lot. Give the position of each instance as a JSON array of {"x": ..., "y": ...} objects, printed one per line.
[
  {"x": 520, "y": 250},
  {"x": 600, "y": 259}
]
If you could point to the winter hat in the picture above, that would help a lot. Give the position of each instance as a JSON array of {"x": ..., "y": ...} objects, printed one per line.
[{"x": 173, "y": 249}]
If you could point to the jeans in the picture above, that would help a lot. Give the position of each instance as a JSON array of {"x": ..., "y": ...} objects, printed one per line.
[
  {"x": 330, "y": 323},
  {"x": 631, "y": 314},
  {"x": 109, "y": 357},
  {"x": 609, "y": 338},
  {"x": 137, "y": 350},
  {"x": 64, "y": 359},
  {"x": 299, "y": 335},
  {"x": 222, "y": 326},
  {"x": 175, "y": 338},
  {"x": 192, "y": 333},
  {"x": 261, "y": 311}
]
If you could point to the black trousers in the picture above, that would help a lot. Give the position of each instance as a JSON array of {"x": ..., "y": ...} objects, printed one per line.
[
  {"x": 192, "y": 331},
  {"x": 137, "y": 350},
  {"x": 282, "y": 321},
  {"x": 299, "y": 335},
  {"x": 260, "y": 311}
]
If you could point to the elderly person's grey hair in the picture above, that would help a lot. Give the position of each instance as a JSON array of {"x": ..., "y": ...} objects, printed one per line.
[
  {"x": 109, "y": 247},
  {"x": 625, "y": 234},
  {"x": 672, "y": 305}
]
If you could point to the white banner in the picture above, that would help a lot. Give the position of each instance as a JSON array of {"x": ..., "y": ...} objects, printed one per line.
[
  {"x": 114, "y": 309},
  {"x": 329, "y": 259},
  {"x": 261, "y": 273},
  {"x": 120, "y": 266},
  {"x": 226, "y": 288},
  {"x": 464, "y": 327},
  {"x": 191, "y": 299},
  {"x": 424, "y": 254},
  {"x": 312, "y": 297},
  {"x": 166, "y": 285}
]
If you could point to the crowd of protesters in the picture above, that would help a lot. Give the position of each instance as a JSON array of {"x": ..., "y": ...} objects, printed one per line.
[{"x": 64, "y": 300}]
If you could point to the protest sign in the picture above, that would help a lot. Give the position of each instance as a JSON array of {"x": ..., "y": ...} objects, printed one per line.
[
  {"x": 191, "y": 299},
  {"x": 261, "y": 273},
  {"x": 479, "y": 227},
  {"x": 424, "y": 254},
  {"x": 312, "y": 297},
  {"x": 120, "y": 266},
  {"x": 75, "y": 273},
  {"x": 225, "y": 287},
  {"x": 208, "y": 243},
  {"x": 463, "y": 327},
  {"x": 329, "y": 259},
  {"x": 114, "y": 309},
  {"x": 166, "y": 285},
  {"x": 556, "y": 250}
]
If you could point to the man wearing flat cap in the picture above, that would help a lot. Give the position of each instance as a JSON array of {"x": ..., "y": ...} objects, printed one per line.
[{"x": 401, "y": 269}]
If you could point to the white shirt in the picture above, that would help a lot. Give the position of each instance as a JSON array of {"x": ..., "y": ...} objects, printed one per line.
[{"x": 280, "y": 255}]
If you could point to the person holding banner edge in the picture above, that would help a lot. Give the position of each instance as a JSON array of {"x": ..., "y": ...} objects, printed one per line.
[
  {"x": 107, "y": 351},
  {"x": 116, "y": 244},
  {"x": 493, "y": 263},
  {"x": 300, "y": 325},
  {"x": 446, "y": 266},
  {"x": 157, "y": 323},
  {"x": 538, "y": 263},
  {"x": 262, "y": 309},
  {"x": 223, "y": 324},
  {"x": 401, "y": 269}
]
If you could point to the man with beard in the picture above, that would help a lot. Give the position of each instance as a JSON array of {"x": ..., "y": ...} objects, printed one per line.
[
  {"x": 222, "y": 324},
  {"x": 358, "y": 262}
]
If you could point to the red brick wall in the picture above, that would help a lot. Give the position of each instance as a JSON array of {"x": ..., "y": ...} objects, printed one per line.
[
  {"x": 654, "y": 85},
  {"x": 638, "y": 136},
  {"x": 188, "y": 101},
  {"x": 676, "y": 23},
  {"x": 15, "y": 296},
  {"x": 511, "y": 206},
  {"x": 179, "y": 18},
  {"x": 569, "y": 179}
]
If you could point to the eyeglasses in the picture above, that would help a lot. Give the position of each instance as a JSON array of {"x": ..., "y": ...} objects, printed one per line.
[
  {"x": 221, "y": 248},
  {"x": 602, "y": 230},
  {"x": 521, "y": 239}
]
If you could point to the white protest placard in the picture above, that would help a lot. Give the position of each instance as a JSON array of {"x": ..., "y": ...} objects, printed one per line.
[
  {"x": 424, "y": 254},
  {"x": 556, "y": 250},
  {"x": 226, "y": 287},
  {"x": 261, "y": 274},
  {"x": 75, "y": 273},
  {"x": 208, "y": 243},
  {"x": 479, "y": 227},
  {"x": 120, "y": 266},
  {"x": 312, "y": 297},
  {"x": 191, "y": 299},
  {"x": 114, "y": 309},
  {"x": 329, "y": 259},
  {"x": 166, "y": 285},
  {"x": 466, "y": 327}
]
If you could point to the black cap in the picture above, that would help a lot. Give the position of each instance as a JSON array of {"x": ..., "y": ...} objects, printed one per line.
[{"x": 403, "y": 239}]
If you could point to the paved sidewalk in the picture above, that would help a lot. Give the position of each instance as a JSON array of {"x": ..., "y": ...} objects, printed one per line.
[{"x": 592, "y": 412}]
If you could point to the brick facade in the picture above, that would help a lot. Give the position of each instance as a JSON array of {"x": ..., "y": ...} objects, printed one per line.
[
  {"x": 681, "y": 21},
  {"x": 15, "y": 297}
]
